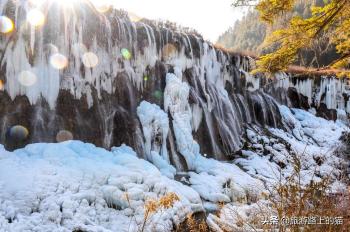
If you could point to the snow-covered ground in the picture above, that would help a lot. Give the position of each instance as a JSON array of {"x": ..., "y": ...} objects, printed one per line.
[
  {"x": 314, "y": 141},
  {"x": 311, "y": 139},
  {"x": 74, "y": 185}
]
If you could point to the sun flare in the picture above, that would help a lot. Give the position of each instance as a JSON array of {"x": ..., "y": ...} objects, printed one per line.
[{"x": 100, "y": 5}]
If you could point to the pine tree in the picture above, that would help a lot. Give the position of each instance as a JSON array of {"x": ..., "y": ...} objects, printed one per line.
[{"x": 332, "y": 19}]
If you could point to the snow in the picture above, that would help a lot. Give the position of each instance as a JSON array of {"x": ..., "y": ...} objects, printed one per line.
[
  {"x": 255, "y": 163},
  {"x": 71, "y": 185},
  {"x": 61, "y": 187},
  {"x": 305, "y": 135},
  {"x": 320, "y": 134},
  {"x": 74, "y": 185},
  {"x": 218, "y": 182},
  {"x": 241, "y": 217},
  {"x": 319, "y": 140},
  {"x": 309, "y": 137}
]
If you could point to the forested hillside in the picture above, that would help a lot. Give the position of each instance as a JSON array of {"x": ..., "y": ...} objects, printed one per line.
[{"x": 249, "y": 33}]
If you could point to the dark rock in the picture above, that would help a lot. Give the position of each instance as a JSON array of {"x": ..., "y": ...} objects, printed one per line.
[{"x": 324, "y": 112}]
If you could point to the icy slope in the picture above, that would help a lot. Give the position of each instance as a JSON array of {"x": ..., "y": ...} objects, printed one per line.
[
  {"x": 77, "y": 186},
  {"x": 269, "y": 157},
  {"x": 72, "y": 185},
  {"x": 313, "y": 140}
]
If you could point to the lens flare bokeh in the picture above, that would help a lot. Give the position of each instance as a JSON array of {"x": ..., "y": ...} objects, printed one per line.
[
  {"x": 36, "y": 18},
  {"x": 158, "y": 94},
  {"x": 90, "y": 59},
  {"x": 18, "y": 133},
  {"x": 27, "y": 78},
  {"x": 6, "y": 25},
  {"x": 126, "y": 54},
  {"x": 58, "y": 61},
  {"x": 64, "y": 135}
]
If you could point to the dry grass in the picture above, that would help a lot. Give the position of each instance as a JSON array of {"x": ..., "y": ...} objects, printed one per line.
[
  {"x": 291, "y": 200},
  {"x": 193, "y": 224},
  {"x": 153, "y": 206}
]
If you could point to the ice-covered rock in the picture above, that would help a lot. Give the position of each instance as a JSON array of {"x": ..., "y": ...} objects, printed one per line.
[
  {"x": 155, "y": 127},
  {"x": 72, "y": 185}
]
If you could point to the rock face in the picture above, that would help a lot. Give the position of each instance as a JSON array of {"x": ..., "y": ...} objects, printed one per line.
[
  {"x": 328, "y": 95},
  {"x": 114, "y": 64}
]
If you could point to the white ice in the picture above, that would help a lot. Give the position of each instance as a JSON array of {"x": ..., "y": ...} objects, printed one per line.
[{"x": 73, "y": 185}]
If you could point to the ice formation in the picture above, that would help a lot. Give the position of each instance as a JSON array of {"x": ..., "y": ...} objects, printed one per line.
[
  {"x": 75, "y": 185},
  {"x": 109, "y": 65},
  {"x": 176, "y": 103},
  {"x": 330, "y": 90},
  {"x": 215, "y": 181},
  {"x": 75, "y": 42},
  {"x": 205, "y": 127},
  {"x": 155, "y": 125},
  {"x": 72, "y": 185}
]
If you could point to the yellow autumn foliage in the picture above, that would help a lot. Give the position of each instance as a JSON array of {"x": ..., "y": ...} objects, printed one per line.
[{"x": 332, "y": 20}]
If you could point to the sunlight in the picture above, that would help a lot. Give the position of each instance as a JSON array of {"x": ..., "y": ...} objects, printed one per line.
[
  {"x": 6, "y": 25},
  {"x": 35, "y": 17},
  {"x": 37, "y": 2},
  {"x": 100, "y": 5},
  {"x": 221, "y": 14}
]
